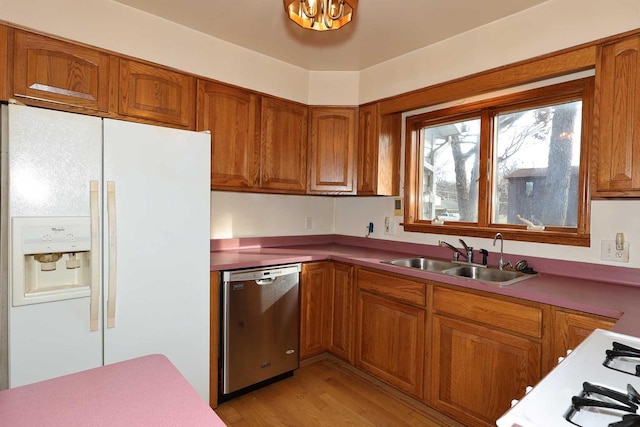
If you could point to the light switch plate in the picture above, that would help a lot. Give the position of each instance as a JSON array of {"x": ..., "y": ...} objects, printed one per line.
[{"x": 397, "y": 206}]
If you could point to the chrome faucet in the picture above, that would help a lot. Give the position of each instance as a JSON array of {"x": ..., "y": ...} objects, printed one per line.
[
  {"x": 468, "y": 249},
  {"x": 456, "y": 252},
  {"x": 501, "y": 262}
]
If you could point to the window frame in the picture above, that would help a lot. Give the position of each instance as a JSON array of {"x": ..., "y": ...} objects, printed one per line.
[{"x": 486, "y": 109}]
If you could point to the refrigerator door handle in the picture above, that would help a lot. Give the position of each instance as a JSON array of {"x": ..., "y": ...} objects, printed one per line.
[
  {"x": 94, "y": 307},
  {"x": 111, "y": 212}
]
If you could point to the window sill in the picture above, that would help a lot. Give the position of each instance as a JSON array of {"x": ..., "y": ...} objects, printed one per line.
[{"x": 511, "y": 233}]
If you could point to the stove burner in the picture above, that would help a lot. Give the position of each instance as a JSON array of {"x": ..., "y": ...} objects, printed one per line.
[
  {"x": 601, "y": 406},
  {"x": 623, "y": 358}
]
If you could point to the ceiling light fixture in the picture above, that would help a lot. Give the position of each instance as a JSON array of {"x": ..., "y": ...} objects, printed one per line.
[{"x": 321, "y": 15}]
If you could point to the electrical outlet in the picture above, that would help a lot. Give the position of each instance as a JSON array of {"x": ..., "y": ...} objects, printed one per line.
[
  {"x": 608, "y": 251},
  {"x": 308, "y": 223}
]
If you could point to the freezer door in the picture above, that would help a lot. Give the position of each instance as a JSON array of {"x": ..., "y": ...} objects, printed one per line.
[
  {"x": 261, "y": 330},
  {"x": 53, "y": 156},
  {"x": 156, "y": 246}
]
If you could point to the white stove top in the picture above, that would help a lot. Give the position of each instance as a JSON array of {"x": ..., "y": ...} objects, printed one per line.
[{"x": 548, "y": 402}]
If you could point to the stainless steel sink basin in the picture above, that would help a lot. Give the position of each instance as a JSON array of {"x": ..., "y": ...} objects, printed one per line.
[
  {"x": 500, "y": 277},
  {"x": 476, "y": 272},
  {"x": 425, "y": 264}
]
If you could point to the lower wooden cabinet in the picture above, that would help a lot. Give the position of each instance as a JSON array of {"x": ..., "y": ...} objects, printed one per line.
[
  {"x": 571, "y": 328},
  {"x": 315, "y": 302},
  {"x": 485, "y": 350},
  {"x": 327, "y": 310},
  {"x": 477, "y": 371},
  {"x": 342, "y": 312},
  {"x": 390, "y": 340}
]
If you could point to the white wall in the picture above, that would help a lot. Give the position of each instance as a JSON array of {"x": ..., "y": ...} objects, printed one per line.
[
  {"x": 252, "y": 215},
  {"x": 548, "y": 27},
  {"x": 333, "y": 87},
  {"x": 607, "y": 218}
]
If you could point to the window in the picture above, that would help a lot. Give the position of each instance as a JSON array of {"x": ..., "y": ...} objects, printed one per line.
[{"x": 503, "y": 164}]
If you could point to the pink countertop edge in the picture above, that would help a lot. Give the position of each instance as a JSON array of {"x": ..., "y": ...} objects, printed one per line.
[
  {"x": 141, "y": 392},
  {"x": 596, "y": 289}
]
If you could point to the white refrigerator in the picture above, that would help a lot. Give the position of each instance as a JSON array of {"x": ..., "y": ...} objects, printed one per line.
[{"x": 105, "y": 245}]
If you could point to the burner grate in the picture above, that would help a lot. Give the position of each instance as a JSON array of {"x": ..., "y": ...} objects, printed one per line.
[
  {"x": 623, "y": 358},
  {"x": 600, "y": 406}
]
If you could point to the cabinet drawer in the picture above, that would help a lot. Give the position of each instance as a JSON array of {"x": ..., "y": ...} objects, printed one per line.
[
  {"x": 511, "y": 316},
  {"x": 392, "y": 286}
]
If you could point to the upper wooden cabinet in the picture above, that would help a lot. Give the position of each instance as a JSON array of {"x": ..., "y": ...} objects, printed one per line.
[
  {"x": 617, "y": 119},
  {"x": 379, "y": 141},
  {"x": 153, "y": 93},
  {"x": 283, "y": 145},
  {"x": 47, "y": 71},
  {"x": 232, "y": 117},
  {"x": 4, "y": 57},
  {"x": 332, "y": 144}
]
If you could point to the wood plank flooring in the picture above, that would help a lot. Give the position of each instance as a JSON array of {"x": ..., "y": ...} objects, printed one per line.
[{"x": 328, "y": 392}]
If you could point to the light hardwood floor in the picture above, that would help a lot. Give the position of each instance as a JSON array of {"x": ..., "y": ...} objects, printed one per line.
[{"x": 328, "y": 392}]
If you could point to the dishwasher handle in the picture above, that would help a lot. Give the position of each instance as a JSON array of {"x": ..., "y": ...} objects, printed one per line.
[
  {"x": 268, "y": 281},
  {"x": 262, "y": 273}
]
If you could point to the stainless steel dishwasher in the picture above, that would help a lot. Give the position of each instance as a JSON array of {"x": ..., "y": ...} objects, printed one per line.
[{"x": 260, "y": 327}]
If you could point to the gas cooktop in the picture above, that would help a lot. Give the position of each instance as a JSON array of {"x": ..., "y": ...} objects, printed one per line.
[{"x": 596, "y": 385}]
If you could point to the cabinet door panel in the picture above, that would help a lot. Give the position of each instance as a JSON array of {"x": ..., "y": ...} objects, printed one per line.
[
  {"x": 572, "y": 328},
  {"x": 46, "y": 69},
  {"x": 618, "y": 118},
  {"x": 231, "y": 115},
  {"x": 477, "y": 370},
  {"x": 379, "y": 141},
  {"x": 283, "y": 145},
  {"x": 4, "y": 67},
  {"x": 390, "y": 342},
  {"x": 332, "y": 150},
  {"x": 368, "y": 150},
  {"x": 154, "y": 93},
  {"x": 342, "y": 312},
  {"x": 314, "y": 303}
]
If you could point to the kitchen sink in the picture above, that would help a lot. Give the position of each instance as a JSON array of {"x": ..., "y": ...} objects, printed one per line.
[
  {"x": 475, "y": 272},
  {"x": 425, "y": 264},
  {"x": 493, "y": 275}
]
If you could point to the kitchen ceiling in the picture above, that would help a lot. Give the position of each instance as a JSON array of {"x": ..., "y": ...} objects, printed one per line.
[{"x": 381, "y": 30}]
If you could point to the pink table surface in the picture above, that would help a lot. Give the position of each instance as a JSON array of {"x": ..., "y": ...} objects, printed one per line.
[{"x": 146, "y": 391}]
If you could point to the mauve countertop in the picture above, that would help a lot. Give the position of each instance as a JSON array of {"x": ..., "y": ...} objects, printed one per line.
[
  {"x": 592, "y": 288},
  {"x": 141, "y": 392}
]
